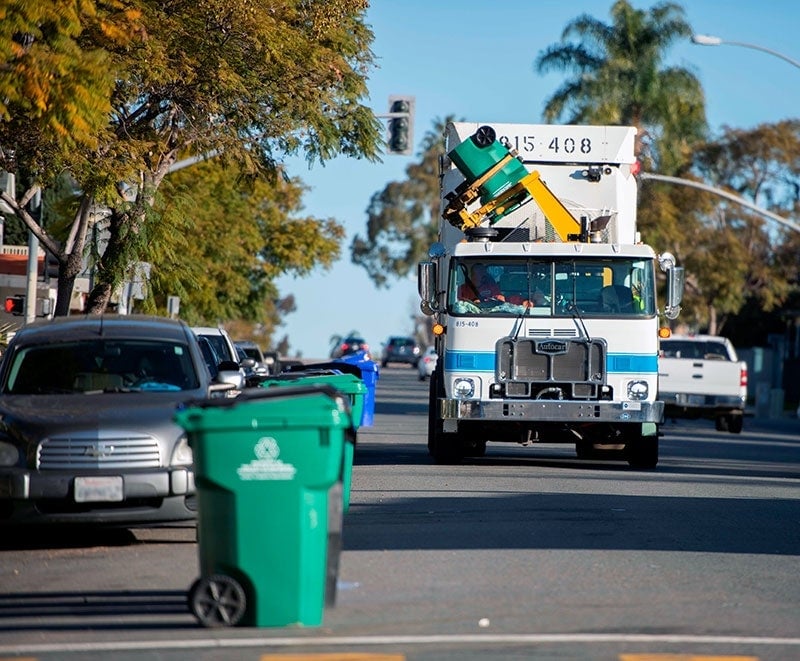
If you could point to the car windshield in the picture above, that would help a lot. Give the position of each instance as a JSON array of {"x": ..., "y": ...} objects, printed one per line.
[
  {"x": 113, "y": 365},
  {"x": 219, "y": 345}
]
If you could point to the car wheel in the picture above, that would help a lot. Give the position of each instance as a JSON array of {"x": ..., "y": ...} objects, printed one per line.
[
  {"x": 217, "y": 601},
  {"x": 735, "y": 423}
]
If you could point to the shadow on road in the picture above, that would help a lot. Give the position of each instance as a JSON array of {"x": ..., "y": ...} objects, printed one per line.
[{"x": 55, "y": 611}]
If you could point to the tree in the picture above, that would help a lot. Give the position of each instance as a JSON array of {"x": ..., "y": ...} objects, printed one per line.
[
  {"x": 403, "y": 218},
  {"x": 742, "y": 256},
  {"x": 220, "y": 242},
  {"x": 245, "y": 83},
  {"x": 618, "y": 77}
]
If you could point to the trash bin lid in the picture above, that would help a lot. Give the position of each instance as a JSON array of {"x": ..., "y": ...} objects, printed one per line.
[{"x": 312, "y": 405}]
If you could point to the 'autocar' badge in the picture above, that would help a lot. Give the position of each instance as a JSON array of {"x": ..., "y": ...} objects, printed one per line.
[{"x": 551, "y": 346}]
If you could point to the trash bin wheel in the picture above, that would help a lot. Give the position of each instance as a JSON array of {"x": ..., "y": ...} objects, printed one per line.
[{"x": 217, "y": 601}]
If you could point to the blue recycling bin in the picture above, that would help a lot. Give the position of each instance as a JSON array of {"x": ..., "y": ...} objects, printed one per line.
[{"x": 369, "y": 375}]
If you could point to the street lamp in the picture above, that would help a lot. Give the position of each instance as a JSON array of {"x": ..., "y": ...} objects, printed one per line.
[{"x": 710, "y": 40}]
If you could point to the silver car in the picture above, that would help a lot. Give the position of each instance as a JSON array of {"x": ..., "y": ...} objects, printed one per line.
[
  {"x": 427, "y": 363},
  {"x": 86, "y": 421}
]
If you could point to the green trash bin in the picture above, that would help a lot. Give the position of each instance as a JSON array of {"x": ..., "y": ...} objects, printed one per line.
[
  {"x": 348, "y": 384},
  {"x": 268, "y": 468},
  {"x": 478, "y": 154}
]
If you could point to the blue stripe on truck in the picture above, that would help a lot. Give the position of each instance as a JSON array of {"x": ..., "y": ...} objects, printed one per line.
[{"x": 483, "y": 361}]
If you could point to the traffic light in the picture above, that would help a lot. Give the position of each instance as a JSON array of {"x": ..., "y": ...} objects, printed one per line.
[
  {"x": 401, "y": 128},
  {"x": 15, "y": 305}
]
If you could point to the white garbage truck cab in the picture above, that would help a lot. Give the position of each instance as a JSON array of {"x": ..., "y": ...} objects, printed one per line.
[{"x": 543, "y": 296}]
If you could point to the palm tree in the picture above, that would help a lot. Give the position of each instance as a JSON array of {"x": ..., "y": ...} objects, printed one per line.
[{"x": 619, "y": 78}]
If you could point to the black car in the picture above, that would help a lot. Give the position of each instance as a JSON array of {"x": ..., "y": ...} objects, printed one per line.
[
  {"x": 401, "y": 350},
  {"x": 349, "y": 345},
  {"x": 86, "y": 420}
]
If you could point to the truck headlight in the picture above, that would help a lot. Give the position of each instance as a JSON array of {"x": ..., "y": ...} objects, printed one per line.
[
  {"x": 638, "y": 390},
  {"x": 463, "y": 388},
  {"x": 9, "y": 454},
  {"x": 182, "y": 454}
]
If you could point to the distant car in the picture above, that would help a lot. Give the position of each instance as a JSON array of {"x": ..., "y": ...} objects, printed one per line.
[
  {"x": 252, "y": 351},
  {"x": 87, "y": 434},
  {"x": 400, "y": 350},
  {"x": 427, "y": 363},
  {"x": 349, "y": 345},
  {"x": 225, "y": 350}
]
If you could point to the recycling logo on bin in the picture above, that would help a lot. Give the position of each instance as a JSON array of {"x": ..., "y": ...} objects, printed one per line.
[{"x": 266, "y": 465}]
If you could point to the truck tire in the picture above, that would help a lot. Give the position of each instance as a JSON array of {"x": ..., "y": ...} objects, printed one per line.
[
  {"x": 735, "y": 423},
  {"x": 641, "y": 449},
  {"x": 445, "y": 448}
]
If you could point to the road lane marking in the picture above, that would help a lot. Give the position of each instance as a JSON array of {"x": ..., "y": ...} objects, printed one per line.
[
  {"x": 683, "y": 657},
  {"x": 361, "y": 641}
]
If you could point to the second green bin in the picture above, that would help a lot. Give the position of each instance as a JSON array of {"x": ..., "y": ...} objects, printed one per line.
[{"x": 347, "y": 384}]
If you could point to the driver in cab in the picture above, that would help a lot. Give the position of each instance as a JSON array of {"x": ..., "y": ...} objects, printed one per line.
[{"x": 480, "y": 286}]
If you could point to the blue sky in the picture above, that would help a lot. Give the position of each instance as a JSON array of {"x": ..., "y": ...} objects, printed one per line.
[{"x": 474, "y": 59}]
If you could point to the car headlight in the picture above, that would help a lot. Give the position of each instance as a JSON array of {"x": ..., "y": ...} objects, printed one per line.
[
  {"x": 182, "y": 454},
  {"x": 463, "y": 388},
  {"x": 9, "y": 454},
  {"x": 638, "y": 390}
]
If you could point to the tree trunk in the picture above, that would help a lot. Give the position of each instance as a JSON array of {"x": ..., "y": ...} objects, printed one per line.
[
  {"x": 99, "y": 298},
  {"x": 66, "y": 283},
  {"x": 712, "y": 320}
]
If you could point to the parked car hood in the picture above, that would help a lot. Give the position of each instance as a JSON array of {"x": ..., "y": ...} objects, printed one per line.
[{"x": 43, "y": 415}]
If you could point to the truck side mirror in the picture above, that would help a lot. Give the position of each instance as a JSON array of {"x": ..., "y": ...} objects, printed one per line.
[
  {"x": 426, "y": 284},
  {"x": 675, "y": 285}
]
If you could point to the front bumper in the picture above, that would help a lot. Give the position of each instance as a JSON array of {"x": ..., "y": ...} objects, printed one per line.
[
  {"x": 49, "y": 497},
  {"x": 551, "y": 411}
]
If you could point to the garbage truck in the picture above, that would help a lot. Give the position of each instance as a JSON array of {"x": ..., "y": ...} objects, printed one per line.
[{"x": 543, "y": 296}]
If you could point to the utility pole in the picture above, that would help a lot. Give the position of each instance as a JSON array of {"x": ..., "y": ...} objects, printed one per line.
[{"x": 35, "y": 208}]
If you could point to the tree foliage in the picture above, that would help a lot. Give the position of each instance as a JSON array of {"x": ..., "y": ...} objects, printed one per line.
[
  {"x": 136, "y": 85},
  {"x": 616, "y": 75},
  {"x": 403, "y": 218},
  {"x": 221, "y": 241},
  {"x": 740, "y": 254}
]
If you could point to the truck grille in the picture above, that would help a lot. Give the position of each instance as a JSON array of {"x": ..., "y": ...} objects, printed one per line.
[
  {"x": 551, "y": 368},
  {"x": 90, "y": 452}
]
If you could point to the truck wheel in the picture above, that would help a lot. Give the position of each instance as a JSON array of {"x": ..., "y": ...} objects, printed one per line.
[
  {"x": 474, "y": 448},
  {"x": 217, "y": 601},
  {"x": 721, "y": 423},
  {"x": 735, "y": 423},
  {"x": 445, "y": 448},
  {"x": 642, "y": 451}
]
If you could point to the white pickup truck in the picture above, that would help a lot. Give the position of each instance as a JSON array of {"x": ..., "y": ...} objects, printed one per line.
[{"x": 701, "y": 376}]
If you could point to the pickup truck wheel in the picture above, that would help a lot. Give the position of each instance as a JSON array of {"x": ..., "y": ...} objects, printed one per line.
[
  {"x": 721, "y": 423},
  {"x": 735, "y": 423},
  {"x": 642, "y": 452}
]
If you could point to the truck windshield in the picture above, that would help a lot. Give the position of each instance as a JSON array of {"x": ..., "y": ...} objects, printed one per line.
[{"x": 552, "y": 287}]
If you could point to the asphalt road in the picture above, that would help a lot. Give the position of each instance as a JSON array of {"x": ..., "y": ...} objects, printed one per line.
[{"x": 524, "y": 553}]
